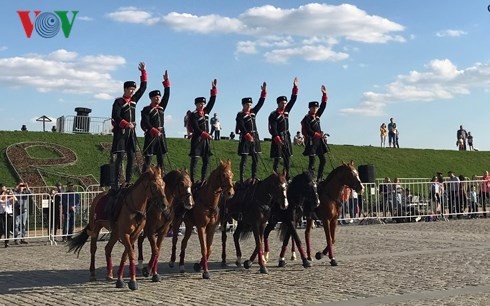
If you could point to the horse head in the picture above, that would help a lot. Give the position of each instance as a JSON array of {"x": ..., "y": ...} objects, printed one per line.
[
  {"x": 278, "y": 189},
  {"x": 304, "y": 186},
  {"x": 222, "y": 178},
  {"x": 178, "y": 183},
  {"x": 155, "y": 183},
  {"x": 350, "y": 176}
]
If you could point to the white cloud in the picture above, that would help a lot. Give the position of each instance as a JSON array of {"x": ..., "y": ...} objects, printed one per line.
[
  {"x": 442, "y": 80},
  {"x": 62, "y": 71},
  {"x": 320, "y": 26},
  {"x": 451, "y": 33}
]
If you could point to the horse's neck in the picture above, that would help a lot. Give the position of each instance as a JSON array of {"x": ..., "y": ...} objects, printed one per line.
[
  {"x": 136, "y": 196},
  {"x": 333, "y": 190},
  {"x": 211, "y": 189},
  {"x": 261, "y": 192}
]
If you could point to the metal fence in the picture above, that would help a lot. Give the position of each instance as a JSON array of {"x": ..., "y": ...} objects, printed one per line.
[{"x": 84, "y": 125}]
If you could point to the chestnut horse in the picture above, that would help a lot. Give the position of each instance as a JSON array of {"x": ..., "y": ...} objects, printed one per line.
[
  {"x": 204, "y": 216},
  {"x": 303, "y": 199},
  {"x": 178, "y": 193},
  {"x": 129, "y": 222},
  {"x": 251, "y": 208},
  {"x": 330, "y": 192}
]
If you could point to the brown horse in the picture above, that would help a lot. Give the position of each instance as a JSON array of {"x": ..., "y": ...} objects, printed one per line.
[
  {"x": 330, "y": 193},
  {"x": 204, "y": 216},
  {"x": 252, "y": 209},
  {"x": 129, "y": 223},
  {"x": 159, "y": 218}
]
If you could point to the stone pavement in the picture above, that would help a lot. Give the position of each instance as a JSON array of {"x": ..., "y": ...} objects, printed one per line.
[{"x": 433, "y": 263}]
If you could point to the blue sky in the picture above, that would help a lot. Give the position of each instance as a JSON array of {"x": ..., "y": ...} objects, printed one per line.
[{"x": 422, "y": 62}]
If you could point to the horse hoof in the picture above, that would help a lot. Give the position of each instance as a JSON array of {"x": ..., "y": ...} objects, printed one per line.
[
  {"x": 205, "y": 275},
  {"x": 319, "y": 255},
  {"x": 133, "y": 285},
  {"x": 156, "y": 278},
  {"x": 293, "y": 256},
  {"x": 145, "y": 272},
  {"x": 309, "y": 258},
  {"x": 171, "y": 264},
  {"x": 119, "y": 284},
  {"x": 306, "y": 263},
  {"x": 182, "y": 269},
  {"x": 264, "y": 270},
  {"x": 223, "y": 264},
  {"x": 333, "y": 262},
  {"x": 92, "y": 278},
  {"x": 238, "y": 263},
  {"x": 197, "y": 267},
  {"x": 109, "y": 278},
  {"x": 282, "y": 263},
  {"x": 247, "y": 264}
]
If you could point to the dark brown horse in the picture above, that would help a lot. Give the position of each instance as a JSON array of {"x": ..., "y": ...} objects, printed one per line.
[
  {"x": 330, "y": 192},
  {"x": 159, "y": 218},
  {"x": 204, "y": 216},
  {"x": 251, "y": 207},
  {"x": 129, "y": 222}
]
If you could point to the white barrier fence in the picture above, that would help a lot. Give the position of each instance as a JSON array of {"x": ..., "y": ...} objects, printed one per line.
[{"x": 44, "y": 219}]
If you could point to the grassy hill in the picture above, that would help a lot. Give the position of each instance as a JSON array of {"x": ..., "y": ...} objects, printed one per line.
[{"x": 92, "y": 151}]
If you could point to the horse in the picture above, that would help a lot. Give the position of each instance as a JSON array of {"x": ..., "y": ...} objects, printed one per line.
[
  {"x": 204, "y": 216},
  {"x": 330, "y": 192},
  {"x": 129, "y": 220},
  {"x": 252, "y": 208},
  {"x": 303, "y": 199},
  {"x": 159, "y": 218}
]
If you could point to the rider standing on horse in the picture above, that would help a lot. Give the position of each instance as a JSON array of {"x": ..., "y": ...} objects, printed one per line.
[
  {"x": 279, "y": 129},
  {"x": 124, "y": 123},
  {"x": 249, "y": 136},
  {"x": 152, "y": 122},
  {"x": 315, "y": 144},
  {"x": 201, "y": 139}
]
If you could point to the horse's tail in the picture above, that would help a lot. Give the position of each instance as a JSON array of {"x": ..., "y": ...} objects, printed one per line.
[
  {"x": 283, "y": 230},
  {"x": 77, "y": 242}
]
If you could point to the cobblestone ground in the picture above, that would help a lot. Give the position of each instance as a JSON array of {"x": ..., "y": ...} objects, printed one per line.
[{"x": 433, "y": 263}]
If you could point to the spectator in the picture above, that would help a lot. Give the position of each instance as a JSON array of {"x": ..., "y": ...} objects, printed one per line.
[
  {"x": 56, "y": 207},
  {"x": 397, "y": 137},
  {"x": 383, "y": 131},
  {"x": 215, "y": 127},
  {"x": 470, "y": 142},
  {"x": 461, "y": 133},
  {"x": 353, "y": 205},
  {"x": 7, "y": 200},
  {"x": 187, "y": 125},
  {"x": 462, "y": 201},
  {"x": 473, "y": 205},
  {"x": 453, "y": 190},
  {"x": 460, "y": 144},
  {"x": 391, "y": 133},
  {"x": 385, "y": 191},
  {"x": 53, "y": 129},
  {"x": 70, "y": 202},
  {"x": 21, "y": 211},
  {"x": 485, "y": 192},
  {"x": 23, "y": 128},
  {"x": 435, "y": 195},
  {"x": 299, "y": 140},
  {"x": 232, "y": 135}
]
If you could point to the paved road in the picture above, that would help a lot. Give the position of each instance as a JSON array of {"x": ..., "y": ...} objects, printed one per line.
[{"x": 434, "y": 263}]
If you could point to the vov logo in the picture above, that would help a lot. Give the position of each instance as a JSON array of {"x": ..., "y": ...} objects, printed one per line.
[{"x": 47, "y": 24}]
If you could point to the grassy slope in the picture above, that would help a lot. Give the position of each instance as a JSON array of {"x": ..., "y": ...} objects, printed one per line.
[{"x": 387, "y": 162}]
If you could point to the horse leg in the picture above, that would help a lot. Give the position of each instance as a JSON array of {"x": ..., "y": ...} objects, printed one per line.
[
  {"x": 297, "y": 241},
  {"x": 183, "y": 246},
  {"x": 120, "y": 273},
  {"x": 333, "y": 226},
  {"x": 154, "y": 266},
  {"x": 175, "y": 238},
  {"x": 309, "y": 225},
  {"x": 201, "y": 231},
  {"x": 210, "y": 230},
  {"x": 149, "y": 268},
  {"x": 282, "y": 260},
  {"x": 224, "y": 237},
  {"x": 259, "y": 239},
  {"x": 293, "y": 251},
  {"x": 328, "y": 250},
  {"x": 268, "y": 229},
  {"x": 93, "y": 249},
  {"x": 108, "y": 256},
  {"x": 236, "y": 241},
  {"x": 141, "y": 239}
]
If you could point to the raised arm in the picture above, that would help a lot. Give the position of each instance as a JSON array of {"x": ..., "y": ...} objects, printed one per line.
[
  {"x": 263, "y": 94},
  {"x": 324, "y": 101},
  {"x": 143, "y": 79},
  {"x": 212, "y": 98},
  {"x": 294, "y": 95},
  {"x": 166, "y": 91}
]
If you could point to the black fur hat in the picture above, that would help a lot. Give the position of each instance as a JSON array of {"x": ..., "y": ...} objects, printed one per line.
[
  {"x": 246, "y": 100},
  {"x": 129, "y": 84},
  {"x": 281, "y": 98},
  {"x": 199, "y": 100},
  {"x": 313, "y": 104},
  {"x": 154, "y": 93}
]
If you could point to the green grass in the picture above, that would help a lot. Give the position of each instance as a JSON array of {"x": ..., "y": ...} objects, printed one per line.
[{"x": 387, "y": 162}]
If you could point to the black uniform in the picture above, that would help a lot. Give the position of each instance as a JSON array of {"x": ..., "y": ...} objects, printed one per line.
[
  {"x": 315, "y": 144},
  {"x": 279, "y": 129},
  {"x": 200, "y": 146},
  {"x": 124, "y": 139},
  {"x": 247, "y": 128},
  {"x": 152, "y": 122}
]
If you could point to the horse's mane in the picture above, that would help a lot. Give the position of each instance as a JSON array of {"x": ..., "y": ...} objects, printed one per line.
[
  {"x": 332, "y": 174},
  {"x": 173, "y": 177}
]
